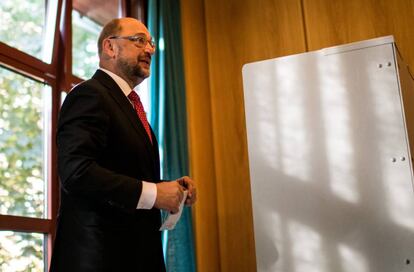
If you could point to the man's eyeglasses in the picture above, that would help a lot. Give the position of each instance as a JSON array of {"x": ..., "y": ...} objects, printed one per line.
[{"x": 140, "y": 40}]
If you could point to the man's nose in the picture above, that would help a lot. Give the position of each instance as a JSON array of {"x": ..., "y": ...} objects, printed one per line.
[{"x": 149, "y": 48}]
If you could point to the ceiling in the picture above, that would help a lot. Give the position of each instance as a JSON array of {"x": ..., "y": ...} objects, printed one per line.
[{"x": 97, "y": 10}]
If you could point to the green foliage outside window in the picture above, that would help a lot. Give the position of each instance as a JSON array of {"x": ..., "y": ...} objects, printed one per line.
[
  {"x": 21, "y": 252},
  {"x": 21, "y": 145},
  {"x": 84, "y": 45},
  {"x": 22, "y": 181},
  {"x": 22, "y": 25},
  {"x": 21, "y": 167}
]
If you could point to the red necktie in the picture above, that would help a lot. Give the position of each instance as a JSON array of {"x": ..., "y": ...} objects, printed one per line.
[{"x": 140, "y": 112}]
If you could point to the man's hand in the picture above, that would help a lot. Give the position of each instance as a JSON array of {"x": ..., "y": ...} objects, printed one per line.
[
  {"x": 189, "y": 185},
  {"x": 170, "y": 194}
]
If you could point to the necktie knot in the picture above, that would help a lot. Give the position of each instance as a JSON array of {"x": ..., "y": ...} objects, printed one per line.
[
  {"x": 139, "y": 109},
  {"x": 134, "y": 97}
]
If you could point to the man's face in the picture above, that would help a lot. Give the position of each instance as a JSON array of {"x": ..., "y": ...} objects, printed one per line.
[{"x": 133, "y": 59}]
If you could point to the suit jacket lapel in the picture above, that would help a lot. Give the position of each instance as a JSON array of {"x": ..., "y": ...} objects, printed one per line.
[{"x": 126, "y": 107}]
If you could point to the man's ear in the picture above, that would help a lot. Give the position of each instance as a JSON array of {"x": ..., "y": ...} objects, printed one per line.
[{"x": 108, "y": 48}]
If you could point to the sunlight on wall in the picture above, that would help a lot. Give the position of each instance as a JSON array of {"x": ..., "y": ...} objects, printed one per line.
[
  {"x": 268, "y": 135},
  {"x": 293, "y": 136},
  {"x": 283, "y": 132},
  {"x": 293, "y": 140},
  {"x": 307, "y": 249},
  {"x": 335, "y": 107},
  {"x": 352, "y": 260}
]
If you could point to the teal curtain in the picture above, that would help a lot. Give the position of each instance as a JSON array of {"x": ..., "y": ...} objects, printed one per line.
[{"x": 168, "y": 119}]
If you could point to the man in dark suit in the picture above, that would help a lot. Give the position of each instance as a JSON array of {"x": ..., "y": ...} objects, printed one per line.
[{"x": 108, "y": 162}]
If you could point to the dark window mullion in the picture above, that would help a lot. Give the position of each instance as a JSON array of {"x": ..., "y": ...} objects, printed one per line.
[
  {"x": 26, "y": 63},
  {"x": 25, "y": 224}
]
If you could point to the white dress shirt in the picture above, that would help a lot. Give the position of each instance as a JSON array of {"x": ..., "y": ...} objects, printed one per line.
[{"x": 149, "y": 189}]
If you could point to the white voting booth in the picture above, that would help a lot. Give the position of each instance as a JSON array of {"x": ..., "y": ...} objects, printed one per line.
[{"x": 330, "y": 165}]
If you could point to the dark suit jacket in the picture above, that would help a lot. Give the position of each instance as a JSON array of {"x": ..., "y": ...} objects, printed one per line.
[{"x": 103, "y": 154}]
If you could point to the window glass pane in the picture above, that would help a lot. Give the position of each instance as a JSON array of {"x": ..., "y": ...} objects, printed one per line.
[
  {"x": 88, "y": 18},
  {"x": 28, "y": 25},
  {"x": 20, "y": 251},
  {"x": 24, "y": 122}
]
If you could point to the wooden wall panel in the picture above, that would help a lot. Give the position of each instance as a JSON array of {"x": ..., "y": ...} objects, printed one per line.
[
  {"x": 330, "y": 23},
  {"x": 239, "y": 32},
  {"x": 200, "y": 135}
]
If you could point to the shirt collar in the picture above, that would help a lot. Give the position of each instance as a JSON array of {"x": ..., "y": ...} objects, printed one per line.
[{"x": 119, "y": 81}]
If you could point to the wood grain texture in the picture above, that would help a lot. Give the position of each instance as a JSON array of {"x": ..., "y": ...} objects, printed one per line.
[
  {"x": 200, "y": 135},
  {"x": 238, "y": 33},
  {"x": 330, "y": 23}
]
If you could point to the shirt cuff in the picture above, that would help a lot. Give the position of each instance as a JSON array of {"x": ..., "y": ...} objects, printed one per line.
[{"x": 148, "y": 195}]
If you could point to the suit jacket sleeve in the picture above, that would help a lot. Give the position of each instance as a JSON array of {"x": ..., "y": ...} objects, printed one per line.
[{"x": 81, "y": 138}]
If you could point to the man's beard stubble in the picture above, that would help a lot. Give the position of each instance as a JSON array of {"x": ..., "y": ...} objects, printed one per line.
[{"x": 133, "y": 71}]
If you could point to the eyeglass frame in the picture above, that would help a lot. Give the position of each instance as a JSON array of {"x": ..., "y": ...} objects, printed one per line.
[{"x": 135, "y": 39}]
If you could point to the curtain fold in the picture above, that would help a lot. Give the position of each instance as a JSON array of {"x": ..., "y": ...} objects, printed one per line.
[{"x": 169, "y": 121}]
